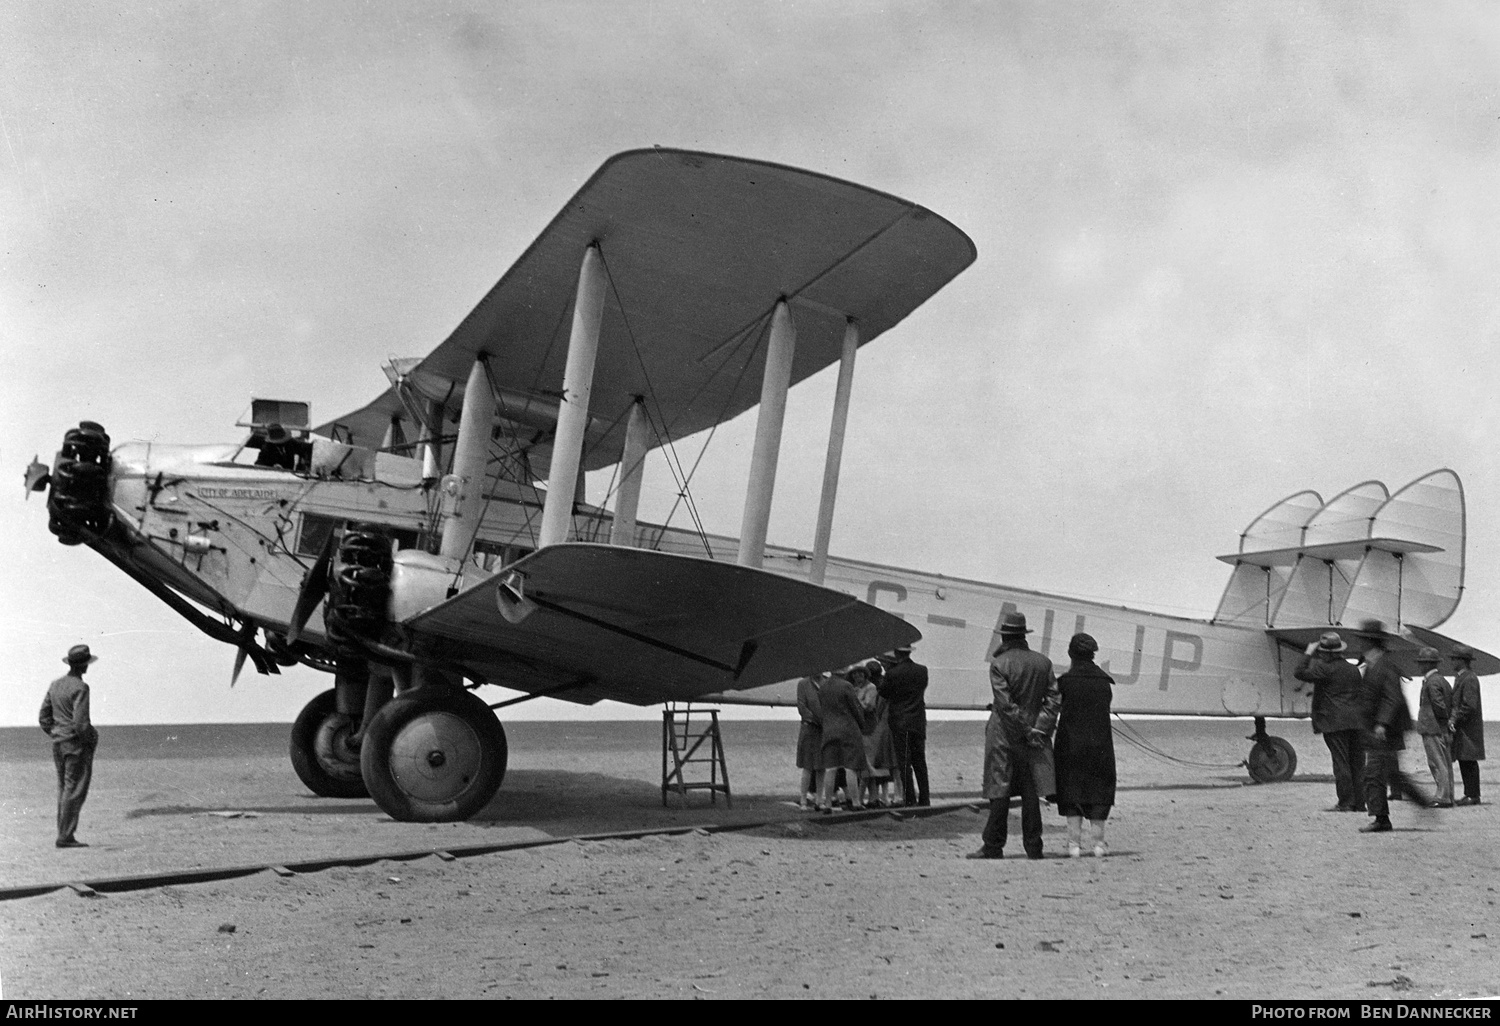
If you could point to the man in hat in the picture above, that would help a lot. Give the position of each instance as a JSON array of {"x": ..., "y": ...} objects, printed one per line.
[
  {"x": 1335, "y": 715},
  {"x": 65, "y": 718},
  {"x": 904, "y": 686},
  {"x": 1433, "y": 709},
  {"x": 1022, "y": 715},
  {"x": 1386, "y": 720},
  {"x": 1467, "y": 723}
]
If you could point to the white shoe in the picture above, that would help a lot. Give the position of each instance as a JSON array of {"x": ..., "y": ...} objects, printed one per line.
[
  {"x": 1100, "y": 850},
  {"x": 1074, "y": 850}
]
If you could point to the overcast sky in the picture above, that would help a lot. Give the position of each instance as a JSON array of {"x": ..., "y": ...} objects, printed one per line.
[{"x": 1226, "y": 252}]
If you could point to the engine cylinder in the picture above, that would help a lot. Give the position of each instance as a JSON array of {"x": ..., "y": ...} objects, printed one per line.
[
  {"x": 78, "y": 503},
  {"x": 360, "y": 583}
]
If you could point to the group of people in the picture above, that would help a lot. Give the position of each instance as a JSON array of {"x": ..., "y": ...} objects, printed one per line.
[
  {"x": 864, "y": 730},
  {"x": 841, "y": 733},
  {"x": 1363, "y": 717}
]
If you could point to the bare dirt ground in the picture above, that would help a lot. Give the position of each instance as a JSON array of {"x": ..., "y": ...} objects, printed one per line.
[{"x": 1213, "y": 889}]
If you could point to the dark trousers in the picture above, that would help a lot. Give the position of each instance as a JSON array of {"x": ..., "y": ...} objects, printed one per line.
[
  {"x": 911, "y": 761},
  {"x": 1469, "y": 770},
  {"x": 1382, "y": 771},
  {"x": 1022, "y": 782},
  {"x": 74, "y": 771},
  {"x": 1347, "y": 749}
]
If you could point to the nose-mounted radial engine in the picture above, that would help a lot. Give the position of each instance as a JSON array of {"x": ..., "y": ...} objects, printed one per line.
[{"x": 78, "y": 504}]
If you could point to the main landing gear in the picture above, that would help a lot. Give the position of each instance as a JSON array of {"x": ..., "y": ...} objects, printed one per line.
[
  {"x": 1272, "y": 759},
  {"x": 324, "y": 750},
  {"x": 434, "y": 754}
]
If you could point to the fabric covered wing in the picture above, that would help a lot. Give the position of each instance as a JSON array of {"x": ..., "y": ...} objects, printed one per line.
[
  {"x": 698, "y": 249},
  {"x": 638, "y": 626}
]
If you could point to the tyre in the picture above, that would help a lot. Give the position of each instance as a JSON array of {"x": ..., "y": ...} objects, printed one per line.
[
  {"x": 1272, "y": 760},
  {"x": 321, "y": 751},
  {"x": 433, "y": 755}
]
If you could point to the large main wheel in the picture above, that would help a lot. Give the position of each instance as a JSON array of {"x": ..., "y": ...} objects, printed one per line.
[
  {"x": 322, "y": 751},
  {"x": 1272, "y": 760},
  {"x": 433, "y": 755}
]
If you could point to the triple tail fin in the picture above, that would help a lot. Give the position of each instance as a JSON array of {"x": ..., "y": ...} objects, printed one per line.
[{"x": 1364, "y": 554}]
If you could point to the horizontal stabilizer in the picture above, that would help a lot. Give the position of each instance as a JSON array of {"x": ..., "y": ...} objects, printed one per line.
[
  {"x": 1330, "y": 550},
  {"x": 590, "y": 622},
  {"x": 1484, "y": 664},
  {"x": 1402, "y": 650}
]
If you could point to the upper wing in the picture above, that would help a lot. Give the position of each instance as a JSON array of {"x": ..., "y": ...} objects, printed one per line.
[
  {"x": 596, "y": 621},
  {"x": 698, "y": 249}
]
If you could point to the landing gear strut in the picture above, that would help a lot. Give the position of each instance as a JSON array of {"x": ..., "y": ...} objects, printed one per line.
[
  {"x": 1272, "y": 759},
  {"x": 434, "y": 754}
]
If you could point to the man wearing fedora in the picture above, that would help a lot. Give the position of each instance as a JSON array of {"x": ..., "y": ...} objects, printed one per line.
[
  {"x": 1467, "y": 723},
  {"x": 1022, "y": 716},
  {"x": 1386, "y": 720},
  {"x": 904, "y": 686},
  {"x": 1433, "y": 710},
  {"x": 1335, "y": 715},
  {"x": 65, "y": 718}
]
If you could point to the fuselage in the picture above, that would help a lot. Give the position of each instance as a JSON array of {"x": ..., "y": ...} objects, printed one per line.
[{"x": 238, "y": 539}]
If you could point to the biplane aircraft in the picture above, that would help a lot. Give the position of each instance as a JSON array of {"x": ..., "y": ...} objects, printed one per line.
[{"x": 410, "y": 548}]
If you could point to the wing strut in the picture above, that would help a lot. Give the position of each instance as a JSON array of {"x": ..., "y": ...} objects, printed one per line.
[
  {"x": 573, "y": 410},
  {"x": 628, "y": 497},
  {"x": 835, "y": 453},
  {"x": 768, "y": 420}
]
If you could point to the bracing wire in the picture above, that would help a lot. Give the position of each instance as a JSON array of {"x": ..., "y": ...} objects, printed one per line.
[{"x": 674, "y": 461}]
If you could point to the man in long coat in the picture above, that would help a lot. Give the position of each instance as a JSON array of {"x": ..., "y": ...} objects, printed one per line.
[
  {"x": 1335, "y": 715},
  {"x": 65, "y": 718},
  {"x": 1432, "y": 723},
  {"x": 1467, "y": 723},
  {"x": 1022, "y": 716},
  {"x": 1386, "y": 720},
  {"x": 904, "y": 686}
]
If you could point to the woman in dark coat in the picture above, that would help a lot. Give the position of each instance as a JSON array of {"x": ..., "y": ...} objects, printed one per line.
[
  {"x": 843, "y": 738},
  {"x": 1085, "y": 747}
]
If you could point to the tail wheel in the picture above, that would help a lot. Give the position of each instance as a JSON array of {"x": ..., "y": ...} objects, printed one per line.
[
  {"x": 1272, "y": 761},
  {"x": 322, "y": 751},
  {"x": 433, "y": 755}
]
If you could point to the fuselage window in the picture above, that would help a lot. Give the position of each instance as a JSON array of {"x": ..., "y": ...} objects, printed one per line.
[
  {"x": 493, "y": 555},
  {"x": 316, "y": 528}
]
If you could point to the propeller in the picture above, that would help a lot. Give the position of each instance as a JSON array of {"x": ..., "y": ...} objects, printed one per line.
[
  {"x": 239, "y": 664},
  {"x": 248, "y": 649},
  {"x": 37, "y": 477},
  {"x": 314, "y": 587}
]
